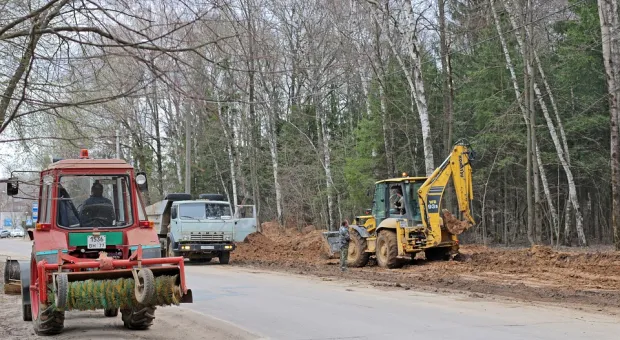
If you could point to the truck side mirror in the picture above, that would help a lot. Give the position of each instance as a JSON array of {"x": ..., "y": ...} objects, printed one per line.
[{"x": 12, "y": 187}]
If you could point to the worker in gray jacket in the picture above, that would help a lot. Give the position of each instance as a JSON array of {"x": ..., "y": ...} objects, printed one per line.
[{"x": 344, "y": 244}]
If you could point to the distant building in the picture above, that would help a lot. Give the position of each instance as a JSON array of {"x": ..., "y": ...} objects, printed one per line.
[{"x": 12, "y": 219}]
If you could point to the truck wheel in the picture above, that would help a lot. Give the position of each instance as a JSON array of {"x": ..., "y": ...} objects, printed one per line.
[
  {"x": 387, "y": 249},
  {"x": 224, "y": 257},
  {"x": 169, "y": 251},
  {"x": 357, "y": 257},
  {"x": 138, "y": 318},
  {"x": 437, "y": 254}
]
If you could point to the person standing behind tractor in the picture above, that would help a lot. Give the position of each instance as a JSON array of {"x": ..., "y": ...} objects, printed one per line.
[{"x": 344, "y": 244}]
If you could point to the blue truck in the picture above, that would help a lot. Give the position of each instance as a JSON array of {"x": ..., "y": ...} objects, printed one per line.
[{"x": 201, "y": 229}]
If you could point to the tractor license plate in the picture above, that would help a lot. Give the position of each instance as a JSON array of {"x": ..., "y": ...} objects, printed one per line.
[
  {"x": 96, "y": 242},
  {"x": 207, "y": 247}
]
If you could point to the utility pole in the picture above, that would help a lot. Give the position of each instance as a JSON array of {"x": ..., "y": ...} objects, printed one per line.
[{"x": 188, "y": 154}]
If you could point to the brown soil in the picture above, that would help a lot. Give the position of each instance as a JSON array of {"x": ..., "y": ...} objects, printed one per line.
[{"x": 585, "y": 277}]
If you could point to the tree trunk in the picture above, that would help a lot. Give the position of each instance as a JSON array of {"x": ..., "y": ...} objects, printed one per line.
[
  {"x": 414, "y": 79},
  {"x": 448, "y": 91},
  {"x": 389, "y": 158},
  {"x": 608, "y": 15},
  {"x": 158, "y": 156},
  {"x": 420, "y": 92},
  {"x": 328, "y": 171},
  {"x": 254, "y": 121},
  {"x": 389, "y": 155},
  {"x": 188, "y": 153},
  {"x": 559, "y": 148},
  {"x": 273, "y": 149},
  {"x": 568, "y": 238},
  {"x": 545, "y": 185}
]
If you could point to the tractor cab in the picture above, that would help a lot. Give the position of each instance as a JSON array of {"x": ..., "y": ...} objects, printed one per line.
[{"x": 95, "y": 205}]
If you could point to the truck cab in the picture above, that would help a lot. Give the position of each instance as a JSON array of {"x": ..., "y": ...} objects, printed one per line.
[{"x": 198, "y": 229}]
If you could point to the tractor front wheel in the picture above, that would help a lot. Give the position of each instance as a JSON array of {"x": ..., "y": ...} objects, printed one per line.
[
  {"x": 49, "y": 321},
  {"x": 357, "y": 257},
  {"x": 387, "y": 249},
  {"x": 46, "y": 319},
  {"x": 138, "y": 318}
]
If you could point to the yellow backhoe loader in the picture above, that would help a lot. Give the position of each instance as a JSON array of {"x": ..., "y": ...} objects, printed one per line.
[{"x": 406, "y": 216}]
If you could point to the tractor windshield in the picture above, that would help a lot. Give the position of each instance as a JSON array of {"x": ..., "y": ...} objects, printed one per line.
[{"x": 94, "y": 202}]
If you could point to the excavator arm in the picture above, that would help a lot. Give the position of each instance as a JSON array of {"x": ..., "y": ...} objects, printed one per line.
[{"x": 458, "y": 167}]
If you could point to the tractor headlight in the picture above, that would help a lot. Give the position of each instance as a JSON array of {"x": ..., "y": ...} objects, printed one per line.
[{"x": 141, "y": 179}]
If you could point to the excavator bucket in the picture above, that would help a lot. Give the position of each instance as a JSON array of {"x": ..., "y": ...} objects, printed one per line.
[
  {"x": 331, "y": 246},
  {"x": 453, "y": 224},
  {"x": 12, "y": 283}
]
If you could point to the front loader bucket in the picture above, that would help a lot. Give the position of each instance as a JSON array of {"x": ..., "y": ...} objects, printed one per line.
[
  {"x": 331, "y": 246},
  {"x": 12, "y": 283}
]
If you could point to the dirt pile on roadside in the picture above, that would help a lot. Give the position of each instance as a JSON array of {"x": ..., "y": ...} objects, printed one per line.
[
  {"x": 540, "y": 273},
  {"x": 277, "y": 245}
]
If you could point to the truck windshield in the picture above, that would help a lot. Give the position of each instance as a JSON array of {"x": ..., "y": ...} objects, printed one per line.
[
  {"x": 196, "y": 211},
  {"x": 192, "y": 211},
  {"x": 94, "y": 201}
]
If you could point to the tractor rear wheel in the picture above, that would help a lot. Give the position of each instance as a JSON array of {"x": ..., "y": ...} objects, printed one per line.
[
  {"x": 387, "y": 249},
  {"x": 110, "y": 312},
  {"x": 357, "y": 257},
  {"x": 138, "y": 318}
]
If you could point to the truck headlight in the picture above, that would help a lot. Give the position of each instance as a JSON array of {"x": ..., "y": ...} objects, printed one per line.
[
  {"x": 185, "y": 238},
  {"x": 227, "y": 238}
]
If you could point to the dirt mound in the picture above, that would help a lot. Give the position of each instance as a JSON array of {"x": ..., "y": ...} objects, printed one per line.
[
  {"x": 538, "y": 273},
  {"x": 278, "y": 245}
]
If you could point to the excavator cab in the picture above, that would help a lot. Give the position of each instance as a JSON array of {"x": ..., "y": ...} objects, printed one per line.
[{"x": 402, "y": 200}]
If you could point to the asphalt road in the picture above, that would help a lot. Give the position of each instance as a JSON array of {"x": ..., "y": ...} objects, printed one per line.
[{"x": 289, "y": 307}]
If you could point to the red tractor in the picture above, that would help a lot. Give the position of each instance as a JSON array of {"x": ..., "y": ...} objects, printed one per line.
[{"x": 93, "y": 248}]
